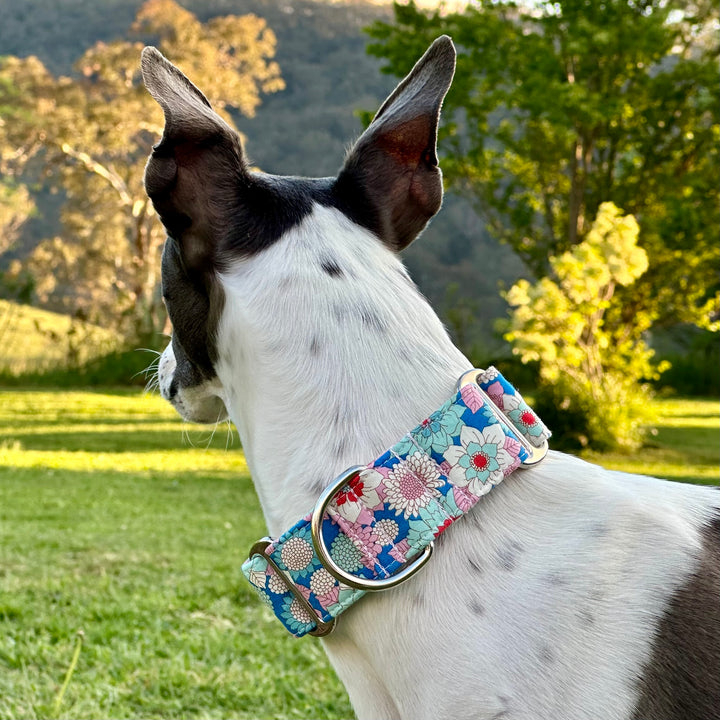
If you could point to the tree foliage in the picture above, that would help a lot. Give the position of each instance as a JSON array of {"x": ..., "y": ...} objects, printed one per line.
[
  {"x": 558, "y": 107},
  {"x": 591, "y": 360},
  {"x": 91, "y": 133}
]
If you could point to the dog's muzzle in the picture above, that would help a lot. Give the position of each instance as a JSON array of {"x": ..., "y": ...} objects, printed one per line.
[{"x": 200, "y": 403}]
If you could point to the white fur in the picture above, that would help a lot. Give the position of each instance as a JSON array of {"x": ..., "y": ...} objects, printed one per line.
[{"x": 539, "y": 605}]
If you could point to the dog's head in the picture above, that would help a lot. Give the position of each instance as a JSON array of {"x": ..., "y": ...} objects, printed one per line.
[{"x": 217, "y": 211}]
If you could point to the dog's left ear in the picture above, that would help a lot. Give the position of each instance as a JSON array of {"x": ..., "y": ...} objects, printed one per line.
[
  {"x": 392, "y": 171},
  {"x": 194, "y": 172}
]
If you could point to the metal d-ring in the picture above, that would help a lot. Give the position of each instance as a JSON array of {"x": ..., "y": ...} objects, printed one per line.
[{"x": 353, "y": 581}]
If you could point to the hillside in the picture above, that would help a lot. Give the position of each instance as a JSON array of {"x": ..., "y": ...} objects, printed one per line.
[
  {"x": 33, "y": 339},
  {"x": 303, "y": 130}
]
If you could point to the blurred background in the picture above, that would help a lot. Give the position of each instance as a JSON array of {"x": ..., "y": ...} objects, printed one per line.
[{"x": 577, "y": 250}]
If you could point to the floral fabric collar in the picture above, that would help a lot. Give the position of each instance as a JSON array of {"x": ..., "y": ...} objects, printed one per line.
[{"x": 390, "y": 511}]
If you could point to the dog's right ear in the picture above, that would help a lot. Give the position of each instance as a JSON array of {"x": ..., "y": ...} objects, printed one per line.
[
  {"x": 193, "y": 174},
  {"x": 391, "y": 175}
]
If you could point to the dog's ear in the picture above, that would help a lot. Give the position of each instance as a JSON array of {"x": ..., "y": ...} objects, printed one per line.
[
  {"x": 194, "y": 172},
  {"x": 392, "y": 170}
]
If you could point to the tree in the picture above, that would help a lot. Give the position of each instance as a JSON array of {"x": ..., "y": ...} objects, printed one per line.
[
  {"x": 16, "y": 204},
  {"x": 91, "y": 134},
  {"x": 558, "y": 107},
  {"x": 591, "y": 360}
]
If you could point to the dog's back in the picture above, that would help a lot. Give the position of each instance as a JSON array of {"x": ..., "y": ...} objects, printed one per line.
[{"x": 569, "y": 591}]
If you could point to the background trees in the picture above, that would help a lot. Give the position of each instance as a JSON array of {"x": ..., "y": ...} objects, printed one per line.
[
  {"x": 558, "y": 107},
  {"x": 557, "y": 111},
  {"x": 591, "y": 360},
  {"x": 90, "y": 135}
]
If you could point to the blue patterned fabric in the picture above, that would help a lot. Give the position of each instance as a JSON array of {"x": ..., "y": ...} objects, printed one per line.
[{"x": 400, "y": 503}]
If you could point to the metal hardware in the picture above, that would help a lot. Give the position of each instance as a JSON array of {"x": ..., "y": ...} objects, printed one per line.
[
  {"x": 322, "y": 627},
  {"x": 353, "y": 581},
  {"x": 536, "y": 454}
]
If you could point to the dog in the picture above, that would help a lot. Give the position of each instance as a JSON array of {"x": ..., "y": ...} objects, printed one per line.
[{"x": 569, "y": 591}]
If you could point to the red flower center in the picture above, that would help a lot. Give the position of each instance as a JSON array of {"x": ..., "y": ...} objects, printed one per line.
[
  {"x": 528, "y": 418},
  {"x": 353, "y": 494},
  {"x": 479, "y": 461}
]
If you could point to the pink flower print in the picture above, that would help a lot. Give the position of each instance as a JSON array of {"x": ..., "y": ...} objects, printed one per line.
[
  {"x": 513, "y": 447},
  {"x": 471, "y": 397},
  {"x": 358, "y": 496},
  {"x": 412, "y": 484},
  {"x": 399, "y": 551},
  {"x": 366, "y": 541},
  {"x": 464, "y": 499},
  {"x": 495, "y": 391}
]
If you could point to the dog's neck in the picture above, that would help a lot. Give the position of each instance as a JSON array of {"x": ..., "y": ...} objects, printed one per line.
[{"x": 345, "y": 358}]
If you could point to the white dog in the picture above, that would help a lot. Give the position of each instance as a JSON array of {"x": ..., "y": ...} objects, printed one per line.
[{"x": 568, "y": 591}]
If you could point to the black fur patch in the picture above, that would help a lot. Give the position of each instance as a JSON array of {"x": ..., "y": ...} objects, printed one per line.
[
  {"x": 682, "y": 679},
  {"x": 187, "y": 298},
  {"x": 330, "y": 267},
  {"x": 267, "y": 206}
]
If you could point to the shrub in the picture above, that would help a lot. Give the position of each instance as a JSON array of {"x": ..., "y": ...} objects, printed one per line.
[{"x": 590, "y": 348}]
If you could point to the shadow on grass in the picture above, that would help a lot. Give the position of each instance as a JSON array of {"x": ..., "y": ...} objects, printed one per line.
[{"x": 145, "y": 440}]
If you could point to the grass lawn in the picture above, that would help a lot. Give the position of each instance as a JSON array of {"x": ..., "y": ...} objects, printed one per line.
[
  {"x": 113, "y": 524},
  {"x": 119, "y": 521}
]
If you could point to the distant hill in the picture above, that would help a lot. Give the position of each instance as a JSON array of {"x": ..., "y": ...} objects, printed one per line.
[
  {"x": 303, "y": 130},
  {"x": 34, "y": 340}
]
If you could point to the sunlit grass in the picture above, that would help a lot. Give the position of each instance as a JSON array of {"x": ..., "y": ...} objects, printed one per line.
[
  {"x": 684, "y": 445},
  {"x": 119, "y": 520}
]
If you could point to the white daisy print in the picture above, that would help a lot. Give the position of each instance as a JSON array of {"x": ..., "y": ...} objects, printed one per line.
[{"x": 412, "y": 484}]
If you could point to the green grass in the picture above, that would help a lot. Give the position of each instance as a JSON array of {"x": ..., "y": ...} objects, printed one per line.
[
  {"x": 111, "y": 523},
  {"x": 683, "y": 446},
  {"x": 118, "y": 520}
]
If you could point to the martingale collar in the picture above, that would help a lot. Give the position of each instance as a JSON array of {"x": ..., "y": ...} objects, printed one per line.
[{"x": 375, "y": 525}]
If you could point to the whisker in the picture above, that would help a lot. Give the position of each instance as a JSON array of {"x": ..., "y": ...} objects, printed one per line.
[
  {"x": 229, "y": 439},
  {"x": 186, "y": 436}
]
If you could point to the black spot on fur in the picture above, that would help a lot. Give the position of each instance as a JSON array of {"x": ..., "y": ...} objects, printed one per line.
[
  {"x": 330, "y": 267},
  {"x": 341, "y": 448},
  {"x": 504, "y": 714},
  {"x": 506, "y": 557},
  {"x": 317, "y": 486},
  {"x": 417, "y": 599},
  {"x": 475, "y": 566},
  {"x": 337, "y": 418},
  {"x": 555, "y": 579},
  {"x": 682, "y": 678},
  {"x": 314, "y": 346},
  {"x": 546, "y": 654},
  {"x": 372, "y": 321},
  {"x": 476, "y": 608}
]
